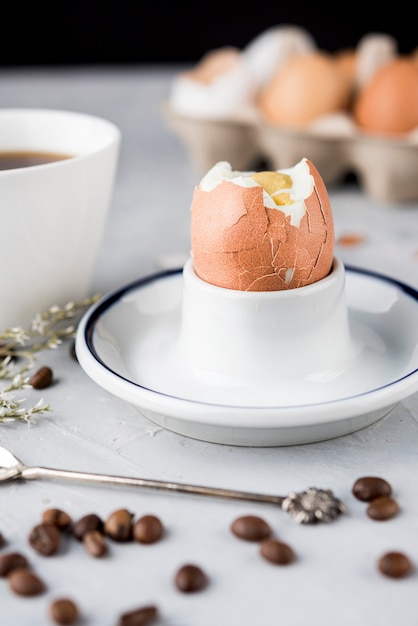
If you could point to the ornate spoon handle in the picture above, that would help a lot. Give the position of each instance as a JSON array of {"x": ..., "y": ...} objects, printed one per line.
[{"x": 307, "y": 507}]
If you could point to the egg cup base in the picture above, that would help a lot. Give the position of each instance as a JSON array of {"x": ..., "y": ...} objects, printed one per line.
[{"x": 253, "y": 336}]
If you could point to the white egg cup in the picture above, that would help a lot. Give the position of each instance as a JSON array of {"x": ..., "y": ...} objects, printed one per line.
[{"x": 256, "y": 336}]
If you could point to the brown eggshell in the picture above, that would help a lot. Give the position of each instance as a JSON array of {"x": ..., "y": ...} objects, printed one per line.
[
  {"x": 308, "y": 86},
  {"x": 346, "y": 61},
  {"x": 388, "y": 103},
  {"x": 213, "y": 64},
  {"x": 239, "y": 243}
]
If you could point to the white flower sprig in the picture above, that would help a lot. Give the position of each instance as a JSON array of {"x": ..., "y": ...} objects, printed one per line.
[{"x": 19, "y": 348}]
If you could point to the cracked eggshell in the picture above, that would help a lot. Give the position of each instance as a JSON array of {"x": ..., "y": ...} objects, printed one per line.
[{"x": 242, "y": 240}]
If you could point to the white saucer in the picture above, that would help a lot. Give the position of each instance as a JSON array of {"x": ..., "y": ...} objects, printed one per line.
[{"x": 127, "y": 342}]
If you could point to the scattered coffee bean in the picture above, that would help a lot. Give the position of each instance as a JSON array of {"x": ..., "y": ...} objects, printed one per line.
[
  {"x": 58, "y": 518},
  {"x": 45, "y": 539},
  {"x": 148, "y": 529},
  {"x": 118, "y": 526},
  {"x": 190, "y": 578},
  {"x": 2, "y": 541},
  {"x": 251, "y": 528},
  {"x": 369, "y": 487},
  {"x": 64, "y": 611},
  {"x": 73, "y": 353},
  {"x": 11, "y": 561},
  {"x": 95, "y": 543},
  {"x": 91, "y": 521},
  {"x": 277, "y": 552},
  {"x": 42, "y": 378},
  {"x": 12, "y": 353},
  {"x": 395, "y": 565},
  {"x": 24, "y": 582},
  {"x": 383, "y": 508},
  {"x": 139, "y": 617}
]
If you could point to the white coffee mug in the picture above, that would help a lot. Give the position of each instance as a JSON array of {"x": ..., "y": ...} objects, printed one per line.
[{"x": 52, "y": 215}]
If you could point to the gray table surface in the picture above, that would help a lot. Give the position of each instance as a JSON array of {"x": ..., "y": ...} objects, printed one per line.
[{"x": 335, "y": 579}]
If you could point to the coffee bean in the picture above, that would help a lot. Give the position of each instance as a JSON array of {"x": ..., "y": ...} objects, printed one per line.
[
  {"x": 11, "y": 561},
  {"x": 148, "y": 529},
  {"x": 369, "y": 487},
  {"x": 12, "y": 353},
  {"x": 2, "y": 540},
  {"x": 86, "y": 523},
  {"x": 395, "y": 565},
  {"x": 190, "y": 578},
  {"x": 118, "y": 526},
  {"x": 64, "y": 611},
  {"x": 72, "y": 351},
  {"x": 45, "y": 539},
  {"x": 139, "y": 617},
  {"x": 24, "y": 582},
  {"x": 58, "y": 518},
  {"x": 95, "y": 543},
  {"x": 382, "y": 508},
  {"x": 251, "y": 528},
  {"x": 42, "y": 378},
  {"x": 277, "y": 552}
]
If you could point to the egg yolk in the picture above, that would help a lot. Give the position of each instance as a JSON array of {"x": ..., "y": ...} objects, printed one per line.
[{"x": 273, "y": 182}]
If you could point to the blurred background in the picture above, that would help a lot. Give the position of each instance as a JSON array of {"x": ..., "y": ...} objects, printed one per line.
[{"x": 127, "y": 31}]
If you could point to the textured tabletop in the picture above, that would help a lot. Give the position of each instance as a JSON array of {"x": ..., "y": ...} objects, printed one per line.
[{"x": 334, "y": 579}]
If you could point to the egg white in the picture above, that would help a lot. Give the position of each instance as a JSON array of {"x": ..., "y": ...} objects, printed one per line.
[{"x": 302, "y": 186}]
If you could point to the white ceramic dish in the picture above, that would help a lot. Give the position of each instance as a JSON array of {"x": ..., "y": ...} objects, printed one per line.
[{"x": 126, "y": 343}]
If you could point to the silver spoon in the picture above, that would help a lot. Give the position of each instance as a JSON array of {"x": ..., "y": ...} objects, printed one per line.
[{"x": 307, "y": 507}]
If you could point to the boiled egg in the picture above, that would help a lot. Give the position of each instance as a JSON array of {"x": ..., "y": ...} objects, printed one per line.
[{"x": 262, "y": 231}]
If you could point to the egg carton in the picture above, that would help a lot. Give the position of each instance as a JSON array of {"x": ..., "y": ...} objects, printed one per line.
[{"x": 386, "y": 168}]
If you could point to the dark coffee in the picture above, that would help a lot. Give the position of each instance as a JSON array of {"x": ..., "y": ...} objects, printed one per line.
[{"x": 14, "y": 160}]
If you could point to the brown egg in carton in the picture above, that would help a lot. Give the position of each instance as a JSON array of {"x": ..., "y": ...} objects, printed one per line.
[{"x": 224, "y": 112}]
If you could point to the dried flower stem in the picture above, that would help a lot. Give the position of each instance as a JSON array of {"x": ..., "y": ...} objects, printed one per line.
[{"x": 47, "y": 331}]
